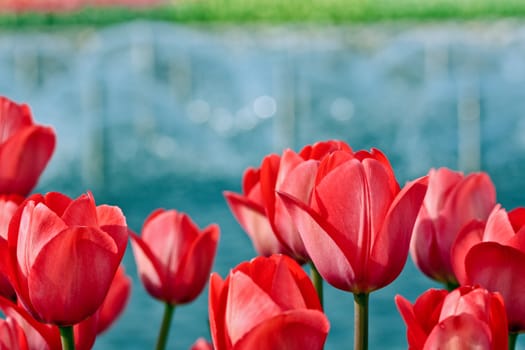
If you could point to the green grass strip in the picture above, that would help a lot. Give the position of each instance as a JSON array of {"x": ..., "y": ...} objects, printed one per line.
[{"x": 276, "y": 11}]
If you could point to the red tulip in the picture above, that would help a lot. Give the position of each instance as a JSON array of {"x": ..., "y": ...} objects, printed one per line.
[
  {"x": 267, "y": 303},
  {"x": 174, "y": 258},
  {"x": 357, "y": 226},
  {"x": 201, "y": 344},
  {"x": 452, "y": 201},
  {"x": 500, "y": 227},
  {"x": 25, "y": 148},
  {"x": 260, "y": 211},
  {"x": 492, "y": 255},
  {"x": 64, "y": 254},
  {"x": 465, "y": 318}
]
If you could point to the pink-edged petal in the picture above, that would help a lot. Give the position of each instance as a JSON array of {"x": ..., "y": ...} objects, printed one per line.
[
  {"x": 463, "y": 332},
  {"x": 291, "y": 330},
  {"x": 24, "y": 156},
  {"x": 390, "y": 248},
  {"x": 217, "y": 298},
  {"x": 13, "y": 117},
  {"x": 149, "y": 268},
  {"x": 39, "y": 336},
  {"x": 254, "y": 222},
  {"x": 472, "y": 199},
  {"x": 247, "y": 306},
  {"x": 499, "y": 268},
  {"x": 331, "y": 252},
  {"x": 498, "y": 228},
  {"x": 186, "y": 283},
  {"x": 110, "y": 215},
  {"x": 38, "y": 225},
  {"x": 299, "y": 183},
  {"x": 12, "y": 335},
  {"x": 8, "y": 206},
  {"x": 81, "y": 212},
  {"x": 169, "y": 236},
  {"x": 441, "y": 182},
  {"x": 66, "y": 288},
  {"x": 470, "y": 235}
]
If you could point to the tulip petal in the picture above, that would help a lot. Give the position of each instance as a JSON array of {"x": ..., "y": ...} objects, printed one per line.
[
  {"x": 470, "y": 235},
  {"x": 499, "y": 268},
  {"x": 326, "y": 246},
  {"x": 188, "y": 281},
  {"x": 68, "y": 287},
  {"x": 149, "y": 268},
  {"x": 463, "y": 332},
  {"x": 390, "y": 248},
  {"x": 442, "y": 181},
  {"x": 247, "y": 305},
  {"x": 38, "y": 225},
  {"x": 218, "y": 295},
  {"x": 115, "y": 301},
  {"x": 254, "y": 222},
  {"x": 416, "y": 335},
  {"x": 291, "y": 330},
  {"x": 110, "y": 215},
  {"x": 39, "y": 336},
  {"x": 81, "y": 212},
  {"x": 13, "y": 117},
  {"x": 25, "y": 155}
]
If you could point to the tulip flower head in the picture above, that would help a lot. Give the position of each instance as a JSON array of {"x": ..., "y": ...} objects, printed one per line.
[
  {"x": 25, "y": 148},
  {"x": 493, "y": 257},
  {"x": 259, "y": 209},
  {"x": 452, "y": 202},
  {"x": 358, "y": 223},
  {"x": 64, "y": 254},
  {"x": 174, "y": 257},
  {"x": 268, "y": 303},
  {"x": 466, "y": 318}
]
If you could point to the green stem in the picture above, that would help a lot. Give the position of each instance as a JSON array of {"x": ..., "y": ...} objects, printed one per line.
[
  {"x": 512, "y": 340},
  {"x": 165, "y": 327},
  {"x": 67, "y": 338},
  {"x": 361, "y": 321},
  {"x": 317, "y": 281}
]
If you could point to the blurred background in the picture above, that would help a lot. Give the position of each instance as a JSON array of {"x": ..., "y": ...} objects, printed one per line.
[{"x": 166, "y": 104}]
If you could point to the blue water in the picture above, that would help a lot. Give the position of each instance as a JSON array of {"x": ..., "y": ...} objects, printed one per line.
[{"x": 153, "y": 115}]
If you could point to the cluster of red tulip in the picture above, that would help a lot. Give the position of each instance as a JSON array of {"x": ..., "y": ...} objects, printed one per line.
[
  {"x": 340, "y": 211},
  {"x": 48, "y": 6}
]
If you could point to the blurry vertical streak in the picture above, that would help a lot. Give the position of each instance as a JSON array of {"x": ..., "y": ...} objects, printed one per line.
[
  {"x": 142, "y": 56},
  {"x": 25, "y": 66},
  {"x": 180, "y": 76},
  {"x": 284, "y": 123},
  {"x": 469, "y": 139},
  {"x": 95, "y": 140},
  {"x": 436, "y": 61}
]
